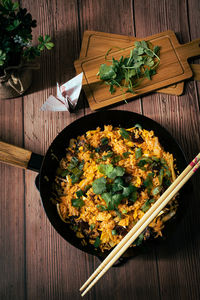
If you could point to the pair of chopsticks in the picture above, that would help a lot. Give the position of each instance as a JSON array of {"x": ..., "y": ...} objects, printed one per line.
[{"x": 142, "y": 224}]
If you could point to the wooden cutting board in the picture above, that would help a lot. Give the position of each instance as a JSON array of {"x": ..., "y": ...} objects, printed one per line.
[
  {"x": 92, "y": 46},
  {"x": 173, "y": 68}
]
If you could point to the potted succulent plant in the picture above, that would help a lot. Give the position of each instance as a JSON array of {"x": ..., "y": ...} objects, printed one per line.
[{"x": 16, "y": 49}]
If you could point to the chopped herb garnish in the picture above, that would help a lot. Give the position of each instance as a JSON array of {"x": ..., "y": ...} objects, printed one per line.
[
  {"x": 124, "y": 211},
  {"x": 143, "y": 161},
  {"x": 77, "y": 202},
  {"x": 128, "y": 72},
  {"x": 64, "y": 173},
  {"x": 97, "y": 149},
  {"x": 114, "y": 232},
  {"x": 110, "y": 171},
  {"x": 125, "y": 134},
  {"x": 126, "y": 154},
  {"x": 138, "y": 153},
  {"x": 74, "y": 178},
  {"x": 110, "y": 154},
  {"x": 145, "y": 206},
  {"x": 92, "y": 226},
  {"x": 156, "y": 190},
  {"x": 86, "y": 188},
  {"x": 116, "y": 159},
  {"x": 133, "y": 197},
  {"x": 81, "y": 165},
  {"x": 73, "y": 163},
  {"x": 79, "y": 193},
  {"x": 104, "y": 141},
  {"x": 112, "y": 201},
  {"x": 148, "y": 182},
  {"x": 101, "y": 207},
  {"x": 97, "y": 242},
  {"x": 99, "y": 185}
]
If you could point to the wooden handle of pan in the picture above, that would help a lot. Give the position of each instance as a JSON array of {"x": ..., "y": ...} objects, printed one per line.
[
  {"x": 14, "y": 156},
  {"x": 189, "y": 50}
]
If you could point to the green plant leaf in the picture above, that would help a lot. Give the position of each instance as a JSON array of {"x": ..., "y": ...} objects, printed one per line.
[
  {"x": 47, "y": 38},
  {"x": 49, "y": 45}
]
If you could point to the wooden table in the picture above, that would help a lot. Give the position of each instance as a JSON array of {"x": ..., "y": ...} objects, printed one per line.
[{"x": 36, "y": 263}]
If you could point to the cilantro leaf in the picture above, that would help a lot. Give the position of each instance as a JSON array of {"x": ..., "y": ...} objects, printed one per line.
[
  {"x": 99, "y": 185},
  {"x": 110, "y": 171},
  {"x": 156, "y": 49},
  {"x": 112, "y": 201},
  {"x": 160, "y": 176},
  {"x": 118, "y": 171},
  {"x": 138, "y": 153},
  {"x": 143, "y": 161},
  {"x": 148, "y": 73},
  {"x": 156, "y": 190},
  {"x": 64, "y": 173},
  {"x": 116, "y": 159},
  {"x": 148, "y": 182},
  {"x": 101, "y": 207},
  {"x": 145, "y": 206},
  {"x": 110, "y": 154},
  {"x": 104, "y": 141},
  {"x": 79, "y": 193},
  {"x": 105, "y": 169},
  {"x": 97, "y": 242},
  {"x": 106, "y": 72},
  {"x": 124, "y": 133},
  {"x": 130, "y": 68},
  {"x": 92, "y": 226},
  {"x": 126, "y": 154},
  {"x": 117, "y": 185},
  {"x": 77, "y": 202},
  {"x": 73, "y": 163},
  {"x": 133, "y": 197}
]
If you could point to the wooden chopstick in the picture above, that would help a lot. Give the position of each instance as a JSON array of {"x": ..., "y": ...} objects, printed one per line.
[{"x": 142, "y": 224}]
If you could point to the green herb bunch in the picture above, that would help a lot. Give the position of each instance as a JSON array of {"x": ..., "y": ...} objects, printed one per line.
[
  {"x": 16, "y": 35},
  {"x": 128, "y": 72}
]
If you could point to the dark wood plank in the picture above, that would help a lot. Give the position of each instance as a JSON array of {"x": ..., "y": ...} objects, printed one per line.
[
  {"x": 178, "y": 273},
  {"x": 12, "y": 206},
  {"x": 136, "y": 273},
  {"x": 112, "y": 18},
  {"x": 50, "y": 259}
]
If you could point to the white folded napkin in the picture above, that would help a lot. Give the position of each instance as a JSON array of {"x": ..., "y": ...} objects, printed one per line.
[{"x": 67, "y": 95}]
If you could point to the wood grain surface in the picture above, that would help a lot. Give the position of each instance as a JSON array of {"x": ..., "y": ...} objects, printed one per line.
[
  {"x": 92, "y": 46},
  {"x": 36, "y": 263},
  {"x": 173, "y": 68}
]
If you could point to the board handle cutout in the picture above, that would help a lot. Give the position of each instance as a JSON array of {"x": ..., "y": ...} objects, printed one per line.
[
  {"x": 190, "y": 49},
  {"x": 14, "y": 155}
]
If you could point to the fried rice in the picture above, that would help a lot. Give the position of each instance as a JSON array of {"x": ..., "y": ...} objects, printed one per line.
[{"x": 108, "y": 180}]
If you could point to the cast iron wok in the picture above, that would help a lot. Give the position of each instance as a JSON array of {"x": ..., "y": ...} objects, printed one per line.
[{"x": 47, "y": 165}]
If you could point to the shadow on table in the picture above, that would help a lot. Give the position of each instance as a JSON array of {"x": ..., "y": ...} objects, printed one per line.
[{"x": 57, "y": 65}]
